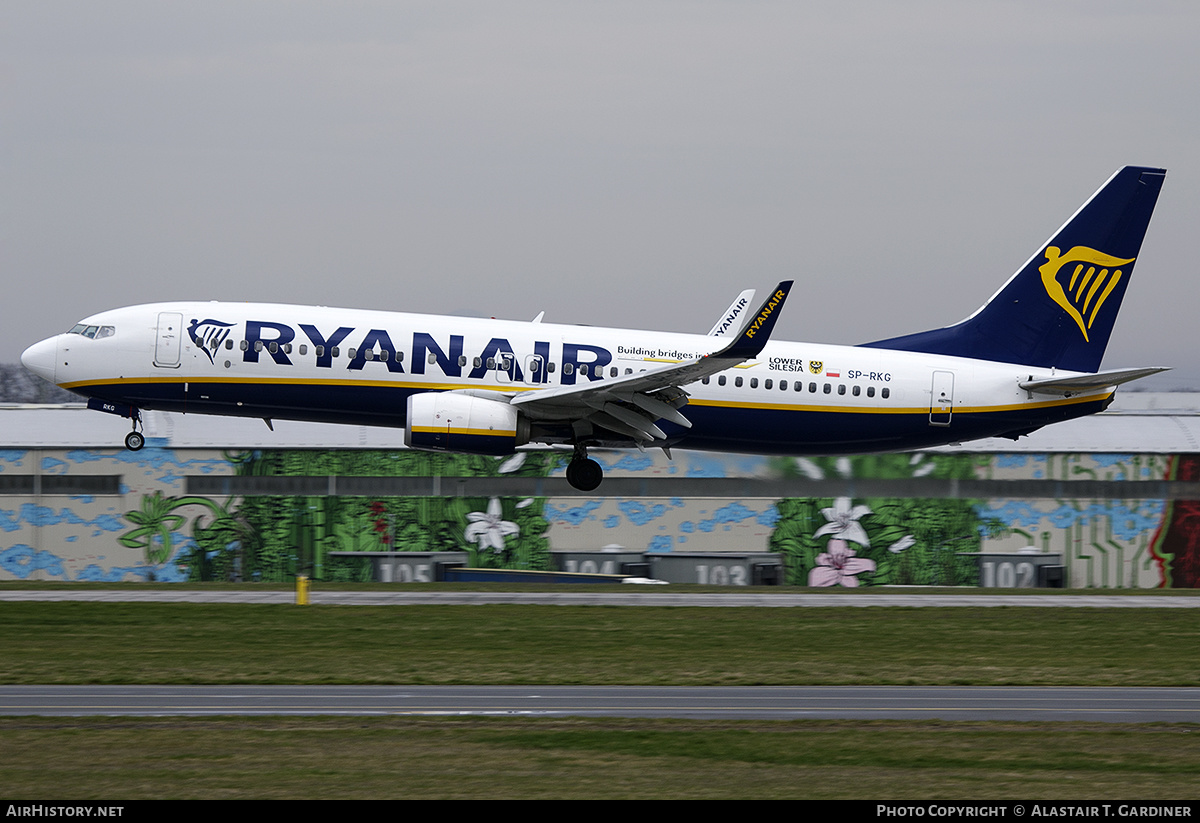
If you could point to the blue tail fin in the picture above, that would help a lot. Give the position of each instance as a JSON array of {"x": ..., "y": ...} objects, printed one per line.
[{"x": 1059, "y": 308}]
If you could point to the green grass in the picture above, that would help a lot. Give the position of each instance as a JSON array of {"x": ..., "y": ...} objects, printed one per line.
[
  {"x": 163, "y": 643},
  {"x": 592, "y": 758}
]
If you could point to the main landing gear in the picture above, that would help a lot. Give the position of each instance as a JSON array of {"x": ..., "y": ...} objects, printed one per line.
[
  {"x": 135, "y": 439},
  {"x": 583, "y": 473}
]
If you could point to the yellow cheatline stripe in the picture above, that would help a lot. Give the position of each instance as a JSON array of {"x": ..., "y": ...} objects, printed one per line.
[
  {"x": 283, "y": 381},
  {"x": 450, "y": 430}
]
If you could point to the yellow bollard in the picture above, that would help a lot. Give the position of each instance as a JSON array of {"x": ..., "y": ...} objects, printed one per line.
[{"x": 301, "y": 590}]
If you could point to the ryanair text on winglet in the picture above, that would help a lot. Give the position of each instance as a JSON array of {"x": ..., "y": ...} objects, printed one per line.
[{"x": 765, "y": 313}]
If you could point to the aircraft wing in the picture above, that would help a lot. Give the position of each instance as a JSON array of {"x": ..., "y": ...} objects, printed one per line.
[
  {"x": 1086, "y": 382},
  {"x": 630, "y": 404}
]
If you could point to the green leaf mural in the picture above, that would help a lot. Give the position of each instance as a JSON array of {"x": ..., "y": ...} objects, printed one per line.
[
  {"x": 275, "y": 537},
  {"x": 880, "y": 541}
]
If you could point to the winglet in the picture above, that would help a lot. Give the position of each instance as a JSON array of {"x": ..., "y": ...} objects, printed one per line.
[
  {"x": 757, "y": 331},
  {"x": 737, "y": 308}
]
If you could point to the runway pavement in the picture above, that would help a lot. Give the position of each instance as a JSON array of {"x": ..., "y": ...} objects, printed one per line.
[{"x": 1123, "y": 705}]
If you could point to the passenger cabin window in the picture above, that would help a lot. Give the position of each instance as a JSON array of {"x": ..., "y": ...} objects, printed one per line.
[
  {"x": 721, "y": 380},
  {"x": 754, "y": 382},
  {"x": 320, "y": 351},
  {"x": 334, "y": 352},
  {"x": 841, "y": 388},
  {"x": 857, "y": 391},
  {"x": 885, "y": 393},
  {"x": 870, "y": 391}
]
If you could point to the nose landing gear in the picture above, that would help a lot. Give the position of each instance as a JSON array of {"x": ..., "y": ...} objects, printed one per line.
[{"x": 135, "y": 440}]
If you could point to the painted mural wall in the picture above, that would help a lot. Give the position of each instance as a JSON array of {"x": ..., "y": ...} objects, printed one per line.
[{"x": 153, "y": 530}]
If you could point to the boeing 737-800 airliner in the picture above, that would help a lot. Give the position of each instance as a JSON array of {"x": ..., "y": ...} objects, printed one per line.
[{"x": 1026, "y": 358}]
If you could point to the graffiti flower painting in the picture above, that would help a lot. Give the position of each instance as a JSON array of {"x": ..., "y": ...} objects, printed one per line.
[
  {"x": 838, "y": 566},
  {"x": 843, "y": 522},
  {"x": 488, "y": 530}
]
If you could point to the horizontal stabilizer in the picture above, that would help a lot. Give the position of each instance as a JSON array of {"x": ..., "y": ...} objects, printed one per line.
[{"x": 1088, "y": 382}]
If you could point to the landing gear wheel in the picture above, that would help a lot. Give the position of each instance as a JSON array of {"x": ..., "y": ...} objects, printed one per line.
[
  {"x": 584, "y": 474},
  {"x": 134, "y": 441}
]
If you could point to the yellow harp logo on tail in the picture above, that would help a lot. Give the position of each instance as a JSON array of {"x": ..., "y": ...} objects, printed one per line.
[{"x": 1091, "y": 281}]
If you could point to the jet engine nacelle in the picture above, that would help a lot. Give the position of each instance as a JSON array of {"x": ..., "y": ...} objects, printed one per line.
[{"x": 445, "y": 421}]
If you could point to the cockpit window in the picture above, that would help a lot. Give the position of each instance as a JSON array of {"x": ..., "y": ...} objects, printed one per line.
[{"x": 93, "y": 332}]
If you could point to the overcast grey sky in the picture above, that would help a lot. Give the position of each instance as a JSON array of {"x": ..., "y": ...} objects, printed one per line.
[{"x": 615, "y": 163}]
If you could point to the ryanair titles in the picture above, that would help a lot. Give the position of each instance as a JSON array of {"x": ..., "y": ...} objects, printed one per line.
[{"x": 281, "y": 342}]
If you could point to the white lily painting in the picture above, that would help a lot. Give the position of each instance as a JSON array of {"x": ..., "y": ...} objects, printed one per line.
[
  {"x": 488, "y": 529},
  {"x": 839, "y": 564}
]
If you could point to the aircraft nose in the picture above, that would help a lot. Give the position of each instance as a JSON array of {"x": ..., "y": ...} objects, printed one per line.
[{"x": 40, "y": 358}]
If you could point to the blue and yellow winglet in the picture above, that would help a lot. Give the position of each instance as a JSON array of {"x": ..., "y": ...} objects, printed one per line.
[
  {"x": 754, "y": 335},
  {"x": 745, "y": 346}
]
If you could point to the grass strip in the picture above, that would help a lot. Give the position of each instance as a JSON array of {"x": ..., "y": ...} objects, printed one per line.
[
  {"x": 477, "y": 758},
  {"x": 182, "y": 643}
]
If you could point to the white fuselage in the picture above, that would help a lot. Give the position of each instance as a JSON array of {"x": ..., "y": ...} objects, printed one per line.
[{"x": 360, "y": 366}]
